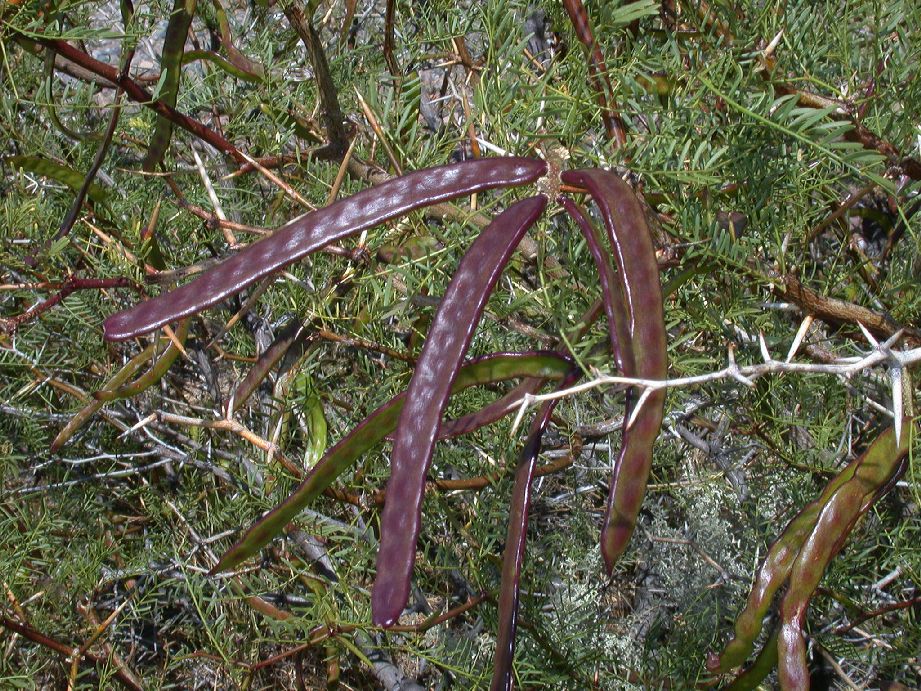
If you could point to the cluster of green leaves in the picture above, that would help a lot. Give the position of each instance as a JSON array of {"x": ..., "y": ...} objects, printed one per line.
[{"x": 709, "y": 132}]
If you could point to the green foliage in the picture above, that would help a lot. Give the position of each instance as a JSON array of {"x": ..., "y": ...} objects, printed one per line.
[{"x": 709, "y": 133}]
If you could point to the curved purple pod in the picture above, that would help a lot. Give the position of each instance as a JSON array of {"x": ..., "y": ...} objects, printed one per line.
[
  {"x": 448, "y": 339},
  {"x": 516, "y": 539},
  {"x": 491, "y": 412},
  {"x": 615, "y": 308},
  {"x": 317, "y": 229},
  {"x": 630, "y": 237}
]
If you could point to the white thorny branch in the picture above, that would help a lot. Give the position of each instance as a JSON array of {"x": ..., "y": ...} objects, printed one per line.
[{"x": 881, "y": 353}]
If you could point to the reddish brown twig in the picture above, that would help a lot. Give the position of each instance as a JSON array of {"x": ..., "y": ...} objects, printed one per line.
[
  {"x": 880, "y": 611},
  {"x": 852, "y": 199},
  {"x": 597, "y": 71},
  {"x": 840, "y": 312},
  {"x": 139, "y": 94},
  {"x": 10, "y": 324},
  {"x": 65, "y": 649},
  {"x": 437, "y": 619},
  {"x": 317, "y": 635},
  {"x": 860, "y": 133},
  {"x": 389, "y": 57}
]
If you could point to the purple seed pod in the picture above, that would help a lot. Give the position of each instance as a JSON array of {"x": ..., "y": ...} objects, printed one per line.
[
  {"x": 366, "y": 209},
  {"x": 448, "y": 339},
  {"x": 639, "y": 273},
  {"x": 613, "y": 295},
  {"x": 487, "y": 369},
  {"x": 491, "y": 412},
  {"x": 515, "y": 542}
]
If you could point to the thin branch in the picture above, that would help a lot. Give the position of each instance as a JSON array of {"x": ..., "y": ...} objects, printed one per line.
[
  {"x": 885, "y": 609},
  {"x": 843, "y": 367},
  {"x": 335, "y": 122},
  {"x": 64, "y": 649},
  {"x": 139, "y": 94},
  {"x": 838, "y": 311},
  {"x": 72, "y": 284}
]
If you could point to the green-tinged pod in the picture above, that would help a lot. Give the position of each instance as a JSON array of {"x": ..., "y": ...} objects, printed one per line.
[
  {"x": 515, "y": 543},
  {"x": 154, "y": 374},
  {"x": 631, "y": 239},
  {"x": 772, "y": 575},
  {"x": 445, "y": 346},
  {"x": 246, "y": 69},
  {"x": 879, "y": 464},
  {"x": 59, "y": 173},
  {"x": 94, "y": 406},
  {"x": 751, "y": 677},
  {"x": 177, "y": 31},
  {"x": 371, "y": 431},
  {"x": 315, "y": 431}
]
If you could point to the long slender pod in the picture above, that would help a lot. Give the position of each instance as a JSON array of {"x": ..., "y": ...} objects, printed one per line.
[
  {"x": 597, "y": 70},
  {"x": 319, "y": 228},
  {"x": 491, "y": 412},
  {"x": 447, "y": 341},
  {"x": 515, "y": 542},
  {"x": 372, "y": 430},
  {"x": 160, "y": 367},
  {"x": 612, "y": 293},
  {"x": 773, "y": 574},
  {"x": 630, "y": 237},
  {"x": 177, "y": 31},
  {"x": 883, "y": 460},
  {"x": 81, "y": 417}
]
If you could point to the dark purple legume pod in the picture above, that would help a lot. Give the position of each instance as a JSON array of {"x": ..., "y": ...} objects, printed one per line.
[
  {"x": 612, "y": 293},
  {"x": 515, "y": 542},
  {"x": 639, "y": 273},
  {"x": 339, "y": 458},
  {"x": 491, "y": 412},
  {"x": 299, "y": 238},
  {"x": 447, "y": 340}
]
